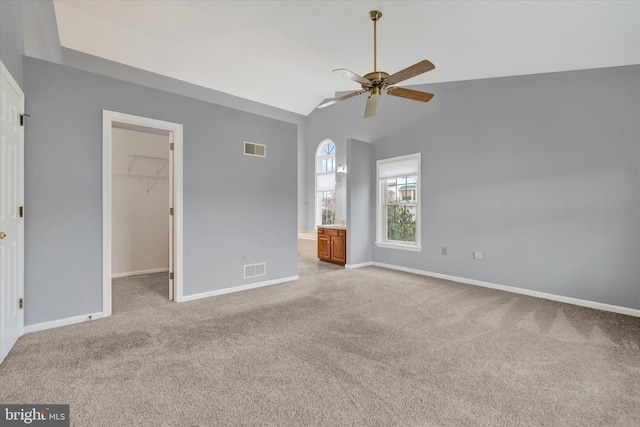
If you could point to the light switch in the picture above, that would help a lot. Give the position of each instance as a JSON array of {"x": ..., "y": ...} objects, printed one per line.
[{"x": 479, "y": 255}]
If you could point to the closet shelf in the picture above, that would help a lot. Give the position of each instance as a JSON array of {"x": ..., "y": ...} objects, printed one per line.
[
  {"x": 152, "y": 179},
  {"x": 161, "y": 161}
]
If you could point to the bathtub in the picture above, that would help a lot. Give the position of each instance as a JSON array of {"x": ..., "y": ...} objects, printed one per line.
[{"x": 308, "y": 244}]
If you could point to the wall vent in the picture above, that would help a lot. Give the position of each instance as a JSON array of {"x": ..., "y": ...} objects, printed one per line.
[
  {"x": 253, "y": 149},
  {"x": 252, "y": 270}
]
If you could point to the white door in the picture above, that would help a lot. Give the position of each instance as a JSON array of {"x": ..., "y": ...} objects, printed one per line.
[
  {"x": 171, "y": 222},
  {"x": 11, "y": 222}
]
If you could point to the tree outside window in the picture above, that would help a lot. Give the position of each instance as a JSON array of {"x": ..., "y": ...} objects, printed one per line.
[
  {"x": 328, "y": 207},
  {"x": 401, "y": 209}
]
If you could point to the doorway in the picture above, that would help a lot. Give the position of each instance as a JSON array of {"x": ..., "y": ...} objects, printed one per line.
[{"x": 150, "y": 169}]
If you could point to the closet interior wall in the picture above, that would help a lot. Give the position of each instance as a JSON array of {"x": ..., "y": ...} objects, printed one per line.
[{"x": 140, "y": 203}]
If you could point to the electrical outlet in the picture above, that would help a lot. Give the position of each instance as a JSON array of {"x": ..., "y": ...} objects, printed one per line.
[
  {"x": 479, "y": 255},
  {"x": 443, "y": 251}
]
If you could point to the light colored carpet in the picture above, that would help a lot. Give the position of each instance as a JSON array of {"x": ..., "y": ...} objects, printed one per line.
[
  {"x": 310, "y": 267},
  {"x": 139, "y": 292},
  {"x": 359, "y": 347}
]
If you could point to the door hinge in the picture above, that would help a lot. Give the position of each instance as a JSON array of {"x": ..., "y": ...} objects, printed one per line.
[
  {"x": 171, "y": 146},
  {"x": 170, "y": 211},
  {"x": 21, "y": 211},
  {"x": 171, "y": 276},
  {"x": 20, "y": 303},
  {"x": 22, "y": 116}
]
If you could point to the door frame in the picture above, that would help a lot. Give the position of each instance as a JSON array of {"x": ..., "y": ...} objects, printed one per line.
[{"x": 108, "y": 118}]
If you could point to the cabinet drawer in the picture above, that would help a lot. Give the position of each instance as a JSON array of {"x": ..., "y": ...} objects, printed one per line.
[
  {"x": 328, "y": 232},
  {"x": 342, "y": 233}
]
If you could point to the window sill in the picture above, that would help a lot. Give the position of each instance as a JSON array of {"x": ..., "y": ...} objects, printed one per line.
[{"x": 413, "y": 248}]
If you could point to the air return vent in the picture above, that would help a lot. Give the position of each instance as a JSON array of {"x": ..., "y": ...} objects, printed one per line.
[
  {"x": 257, "y": 150},
  {"x": 252, "y": 270}
]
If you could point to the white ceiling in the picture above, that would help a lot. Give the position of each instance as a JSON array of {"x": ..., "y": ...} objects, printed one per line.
[{"x": 281, "y": 53}]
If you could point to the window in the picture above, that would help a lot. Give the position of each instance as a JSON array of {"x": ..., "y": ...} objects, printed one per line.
[
  {"x": 326, "y": 183},
  {"x": 398, "y": 219}
]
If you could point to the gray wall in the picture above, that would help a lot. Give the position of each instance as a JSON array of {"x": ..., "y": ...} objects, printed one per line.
[
  {"x": 540, "y": 172},
  {"x": 360, "y": 198},
  {"x": 127, "y": 73},
  {"x": 11, "y": 38},
  {"x": 225, "y": 192}
]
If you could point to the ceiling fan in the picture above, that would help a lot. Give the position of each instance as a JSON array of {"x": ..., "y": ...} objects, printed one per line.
[{"x": 379, "y": 81}]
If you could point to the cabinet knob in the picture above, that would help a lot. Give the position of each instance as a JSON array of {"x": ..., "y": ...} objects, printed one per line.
[{"x": 2, "y": 235}]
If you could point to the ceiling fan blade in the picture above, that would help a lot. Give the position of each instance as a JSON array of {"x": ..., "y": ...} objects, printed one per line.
[
  {"x": 351, "y": 76},
  {"x": 410, "y": 94},
  {"x": 372, "y": 104},
  {"x": 409, "y": 72},
  {"x": 342, "y": 98}
]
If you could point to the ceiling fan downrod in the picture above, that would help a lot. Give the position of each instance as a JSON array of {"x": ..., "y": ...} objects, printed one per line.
[{"x": 375, "y": 17}]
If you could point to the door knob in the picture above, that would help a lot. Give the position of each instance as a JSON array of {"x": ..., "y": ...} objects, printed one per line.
[{"x": 2, "y": 235}]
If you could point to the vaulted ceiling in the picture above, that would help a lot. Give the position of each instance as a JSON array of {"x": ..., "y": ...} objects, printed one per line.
[{"x": 281, "y": 53}]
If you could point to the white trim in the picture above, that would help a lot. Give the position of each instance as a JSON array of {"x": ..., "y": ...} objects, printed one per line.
[
  {"x": 362, "y": 264},
  {"x": 106, "y": 214},
  {"x": 553, "y": 297},
  {"x": 238, "y": 288},
  {"x": 404, "y": 247},
  {"x": 62, "y": 322},
  {"x": 108, "y": 117},
  {"x": 139, "y": 272}
]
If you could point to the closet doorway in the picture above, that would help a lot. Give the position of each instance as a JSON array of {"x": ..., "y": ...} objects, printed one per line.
[{"x": 142, "y": 203}]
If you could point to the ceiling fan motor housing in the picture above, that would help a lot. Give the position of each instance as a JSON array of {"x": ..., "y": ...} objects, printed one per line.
[{"x": 377, "y": 78}]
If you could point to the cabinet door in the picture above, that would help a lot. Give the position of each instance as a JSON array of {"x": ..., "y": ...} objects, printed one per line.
[
  {"x": 339, "y": 249},
  {"x": 324, "y": 247}
]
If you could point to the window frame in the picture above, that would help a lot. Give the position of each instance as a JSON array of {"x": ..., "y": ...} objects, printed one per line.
[
  {"x": 381, "y": 205},
  {"x": 317, "y": 160}
]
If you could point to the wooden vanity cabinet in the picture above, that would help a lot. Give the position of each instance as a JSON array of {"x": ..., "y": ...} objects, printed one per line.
[{"x": 332, "y": 245}]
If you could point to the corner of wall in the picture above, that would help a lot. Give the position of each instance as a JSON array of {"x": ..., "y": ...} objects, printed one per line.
[{"x": 40, "y": 31}]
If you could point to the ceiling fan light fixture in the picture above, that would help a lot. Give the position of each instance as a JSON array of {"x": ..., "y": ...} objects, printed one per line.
[{"x": 377, "y": 81}]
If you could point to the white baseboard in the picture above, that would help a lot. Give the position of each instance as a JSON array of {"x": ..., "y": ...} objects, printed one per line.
[
  {"x": 553, "y": 297},
  {"x": 362, "y": 264},
  {"x": 62, "y": 322},
  {"x": 237, "y": 288},
  {"x": 139, "y": 272}
]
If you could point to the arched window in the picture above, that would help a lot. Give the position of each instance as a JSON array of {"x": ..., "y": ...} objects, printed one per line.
[{"x": 326, "y": 183}]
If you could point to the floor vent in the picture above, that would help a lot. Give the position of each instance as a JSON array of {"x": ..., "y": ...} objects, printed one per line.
[
  {"x": 257, "y": 150},
  {"x": 252, "y": 270}
]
